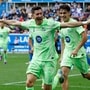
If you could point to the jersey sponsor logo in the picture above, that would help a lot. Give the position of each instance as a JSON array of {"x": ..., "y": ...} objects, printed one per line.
[
  {"x": 67, "y": 39},
  {"x": 39, "y": 39}
]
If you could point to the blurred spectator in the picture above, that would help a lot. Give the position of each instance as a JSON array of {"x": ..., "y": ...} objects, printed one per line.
[
  {"x": 56, "y": 5},
  {"x": 24, "y": 14},
  {"x": 21, "y": 18},
  {"x": 88, "y": 26},
  {"x": 79, "y": 9},
  {"x": 28, "y": 8},
  {"x": 87, "y": 9},
  {"x": 87, "y": 14}
]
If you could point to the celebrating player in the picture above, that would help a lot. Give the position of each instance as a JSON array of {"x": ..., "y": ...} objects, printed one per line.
[
  {"x": 44, "y": 56},
  {"x": 4, "y": 32},
  {"x": 72, "y": 49}
]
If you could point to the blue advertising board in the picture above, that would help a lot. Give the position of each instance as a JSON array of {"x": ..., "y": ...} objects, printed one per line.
[
  {"x": 87, "y": 46},
  {"x": 35, "y": 0},
  {"x": 2, "y": 8},
  {"x": 18, "y": 43},
  {"x": 49, "y": 1}
]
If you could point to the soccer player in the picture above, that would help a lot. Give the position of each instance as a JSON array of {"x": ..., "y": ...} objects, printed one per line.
[
  {"x": 44, "y": 56},
  {"x": 72, "y": 48},
  {"x": 4, "y": 32}
]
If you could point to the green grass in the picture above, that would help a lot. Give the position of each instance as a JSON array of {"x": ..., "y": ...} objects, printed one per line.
[{"x": 13, "y": 75}]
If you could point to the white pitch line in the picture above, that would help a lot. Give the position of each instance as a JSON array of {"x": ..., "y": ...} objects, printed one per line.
[
  {"x": 73, "y": 75},
  {"x": 80, "y": 86},
  {"x": 12, "y": 83},
  {"x": 20, "y": 82},
  {"x": 72, "y": 86}
]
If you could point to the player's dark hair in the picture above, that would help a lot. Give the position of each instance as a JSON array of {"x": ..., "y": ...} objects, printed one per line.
[
  {"x": 35, "y": 8},
  {"x": 65, "y": 7}
]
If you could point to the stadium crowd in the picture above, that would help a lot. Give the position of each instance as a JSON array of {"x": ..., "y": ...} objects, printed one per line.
[{"x": 24, "y": 13}]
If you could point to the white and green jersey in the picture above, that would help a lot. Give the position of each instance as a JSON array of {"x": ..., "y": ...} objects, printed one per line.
[
  {"x": 43, "y": 36},
  {"x": 72, "y": 37},
  {"x": 4, "y": 35}
]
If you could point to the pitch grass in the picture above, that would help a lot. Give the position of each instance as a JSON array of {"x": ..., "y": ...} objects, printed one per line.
[{"x": 13, "y": 75}]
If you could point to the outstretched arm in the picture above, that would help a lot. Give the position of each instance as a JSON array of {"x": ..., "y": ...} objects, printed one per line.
[
  {"x": 74, "y": 24},
  {"x": 11, "y": 22}
]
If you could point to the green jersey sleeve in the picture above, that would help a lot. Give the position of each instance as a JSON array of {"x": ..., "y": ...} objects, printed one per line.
[
  {"x": 80, "y": 29},
  {"x": 55, "y": 24},
  {"x": 26, "y": 24}
]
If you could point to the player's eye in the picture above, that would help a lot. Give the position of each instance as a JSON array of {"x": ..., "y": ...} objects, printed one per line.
[
  {"x": 63, "y": 13},
  {"x": 38, "y": 13}
]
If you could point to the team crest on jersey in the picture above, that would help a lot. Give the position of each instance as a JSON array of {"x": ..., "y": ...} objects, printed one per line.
[
  {"x": 67, "y": 39},
  {"x": 39, "y": 39}
]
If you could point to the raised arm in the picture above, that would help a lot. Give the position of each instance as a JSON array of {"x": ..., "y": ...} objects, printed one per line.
[
  {"x": 11, "y": 22},
  {"x": 73, "y": 24}
]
